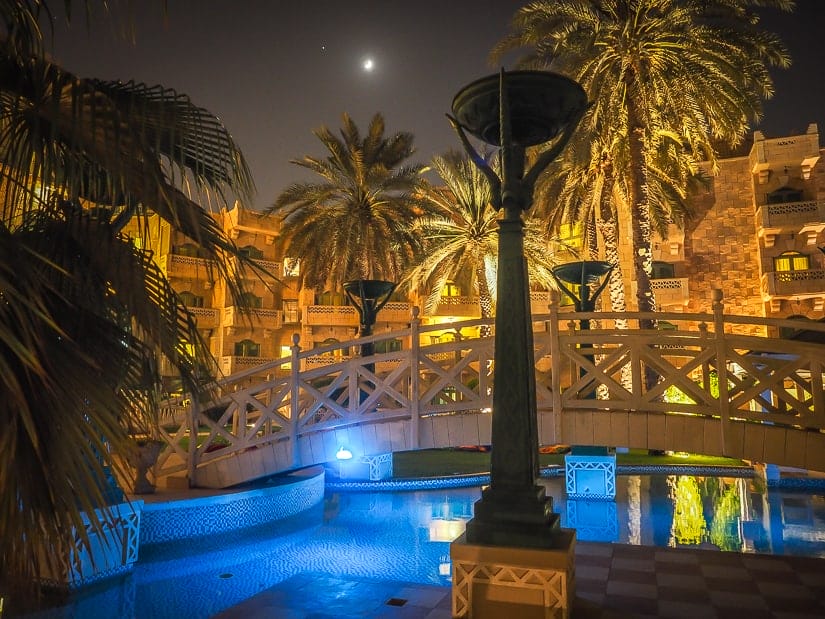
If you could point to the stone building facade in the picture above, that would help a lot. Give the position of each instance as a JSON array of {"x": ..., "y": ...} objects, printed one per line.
[{"x": 756, "y": 234}]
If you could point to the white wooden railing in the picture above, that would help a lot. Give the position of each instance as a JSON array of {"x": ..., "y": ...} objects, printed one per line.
[{"x": 716, "y": 375}]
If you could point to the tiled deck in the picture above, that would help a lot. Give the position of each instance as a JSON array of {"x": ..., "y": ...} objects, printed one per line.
[{"x": 612, "y": 580}]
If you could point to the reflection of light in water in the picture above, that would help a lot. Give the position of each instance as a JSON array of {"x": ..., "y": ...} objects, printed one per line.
[
  {"x": 688, "y": 521},
  {"x": 634, "y": 509},
  {"x": 445, "y": 530}
]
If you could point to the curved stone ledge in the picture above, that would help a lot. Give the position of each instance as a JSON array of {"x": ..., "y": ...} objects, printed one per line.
[{"x": 195, "y": 517}]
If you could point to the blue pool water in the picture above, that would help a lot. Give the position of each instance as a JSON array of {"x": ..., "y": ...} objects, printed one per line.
[{"x": 405, "y": 536}]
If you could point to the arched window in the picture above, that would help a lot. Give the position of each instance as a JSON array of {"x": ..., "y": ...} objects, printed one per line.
[
  {"x": 791, "y": 261},
  {"x": 247, "y": 348},
  {"x": 190, "y": 299},
  {"x": 250, "y": 251},
  {"x": 783, "y": 195}
]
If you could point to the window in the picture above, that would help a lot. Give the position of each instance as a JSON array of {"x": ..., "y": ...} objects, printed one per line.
[
  {"x": 191, "y": 300},
  {"x": 791, "y": 261},
  {"x": 247, "y": 348},
  {"x": 290, "y": 307},
  {"x": 252, "y": 301},
  {"x": 388, "y": 346},
  {"x": 331, "y": 298},
  {"x": 292, "y": 267},
  {"x": 450, "y": 290},
  {"x": 784, "y": 195},
  {"x": 662, "y": 270},
  {"x": 188, "y": 249},
  {"x": 571, "y": 236},
  {"x": 250, "y": 251}
]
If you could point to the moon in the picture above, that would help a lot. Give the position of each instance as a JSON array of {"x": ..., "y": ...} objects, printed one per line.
[{"x": 368, "y": 65}]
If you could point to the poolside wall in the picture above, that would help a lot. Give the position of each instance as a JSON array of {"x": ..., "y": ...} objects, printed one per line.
[{"x": 190, "y": 518}]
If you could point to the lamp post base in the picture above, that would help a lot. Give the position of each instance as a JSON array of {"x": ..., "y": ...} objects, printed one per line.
[
  {"x": 490, "y": 582},
  {"x": 518, "y": 517}
]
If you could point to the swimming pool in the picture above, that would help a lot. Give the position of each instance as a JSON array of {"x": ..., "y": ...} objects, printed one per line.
[{"x": 405, "y": 536}]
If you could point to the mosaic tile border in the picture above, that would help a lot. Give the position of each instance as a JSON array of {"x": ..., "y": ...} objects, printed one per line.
[
  {"x": 463, "y": 481},
  {"x": 798, "y": 483},
  {"x": 176, "y": 520}
]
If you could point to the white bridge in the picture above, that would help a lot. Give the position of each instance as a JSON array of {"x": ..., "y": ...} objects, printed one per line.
[{"x": 705, "y": 384}]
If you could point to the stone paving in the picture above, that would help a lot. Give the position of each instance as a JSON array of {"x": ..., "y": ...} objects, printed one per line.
[{"x": 612, "y": 581}]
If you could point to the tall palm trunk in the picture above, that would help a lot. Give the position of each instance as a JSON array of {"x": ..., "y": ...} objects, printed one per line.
[
  {"x": 485, "y": 298},
  {"x": 615, "y": 287},
  {"x": 640, "y": 219}
]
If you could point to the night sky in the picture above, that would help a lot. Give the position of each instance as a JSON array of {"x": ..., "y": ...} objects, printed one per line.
[{"x": 274, "y": 70}]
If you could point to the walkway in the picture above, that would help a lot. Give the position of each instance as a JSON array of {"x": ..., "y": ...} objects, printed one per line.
[{"x": 612, "y": 581}]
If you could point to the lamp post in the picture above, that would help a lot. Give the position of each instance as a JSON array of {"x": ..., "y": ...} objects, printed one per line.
[
  {"x": 583, "y": 274},
  {"x": 515, "y": 110},
  {"x": 368, "y": 296}
]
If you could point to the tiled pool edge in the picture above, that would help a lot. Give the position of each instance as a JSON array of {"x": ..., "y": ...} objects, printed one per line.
[
  {"x": 195, "y": 517},
  {"x": 462, "y": 481}
]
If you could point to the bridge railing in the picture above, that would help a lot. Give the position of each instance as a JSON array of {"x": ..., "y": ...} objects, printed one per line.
[{"x": 712, "y": 365}]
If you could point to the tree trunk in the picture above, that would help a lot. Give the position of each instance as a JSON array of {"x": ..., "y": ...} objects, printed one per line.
[
  {"x": 485, "y": 299},
  {"x": 640, "y": 219}
]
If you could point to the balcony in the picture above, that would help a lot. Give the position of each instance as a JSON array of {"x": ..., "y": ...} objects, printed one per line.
[
  {"x": 794, "y": 286},
  {"x": 254, "y": 222},
  {"x": 231, "y": 364},
  {"x": 257, "y": 317},
  {"x": 331, "y": 315},
  {"x": 458, "y": 306},
  {"x": 395, "y": 311},
  {"x": 803, "y": 218},
  {"x": 186, "y": 267},
  {"x": 206, "y": 317},
  {"x": 672, "y": 293}
]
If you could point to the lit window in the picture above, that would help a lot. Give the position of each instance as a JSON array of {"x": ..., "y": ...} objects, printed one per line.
[
  {"x": 571, "y": 235},
  {"x": 450, "y": 290},
  {"x": 292, "y": 267},
  {"x": 791, "y": 261},
  {"x": 290, "y": 311}
]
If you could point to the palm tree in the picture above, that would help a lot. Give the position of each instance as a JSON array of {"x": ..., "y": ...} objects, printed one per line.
[
  {"x": 357, "y": 221},
  {"x": 461, "y": 240},
  {"x": 654, "y": 70},
  {"x": 84, "y": 310}
]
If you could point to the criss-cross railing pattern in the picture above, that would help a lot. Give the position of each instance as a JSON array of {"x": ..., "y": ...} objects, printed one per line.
[{"x": 701, "y": 365}]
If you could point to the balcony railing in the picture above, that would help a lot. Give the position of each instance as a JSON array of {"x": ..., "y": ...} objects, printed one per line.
[
  {"x": 395, "y": 311},
  {"x": 207, "y": 317},
  {"x": 457, "y": 306},
  {"x": 184, "y": 266},
  {"x": 331, "y": 315},
  {"x": 230, "y": 364},
  {"x": 258, "y": 317},
  {"x": 671, "y": 293},
  {"x": 805, "y": 218},
  {"x": 793, "y": 284}
]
